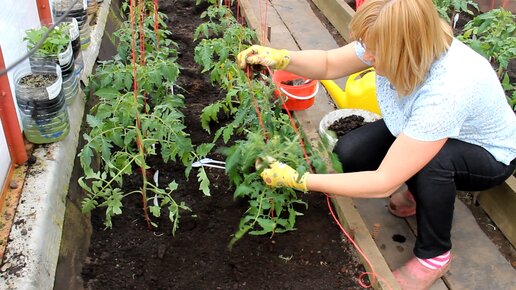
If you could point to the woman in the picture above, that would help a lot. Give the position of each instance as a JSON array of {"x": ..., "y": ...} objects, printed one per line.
[{"x": 446, "y": 123}]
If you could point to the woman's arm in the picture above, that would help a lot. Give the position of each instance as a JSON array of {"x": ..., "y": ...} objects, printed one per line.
[
  {"x": 321, "y": 64},
  {"x": 405, "y": 158}
]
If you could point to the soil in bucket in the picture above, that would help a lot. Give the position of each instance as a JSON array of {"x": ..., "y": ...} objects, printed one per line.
[
  {"x": 345, "y": 125},
  {"x": 299, "y": 92}
]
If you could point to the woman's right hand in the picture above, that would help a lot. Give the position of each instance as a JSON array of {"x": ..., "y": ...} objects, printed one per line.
[{"x": 264, "y": 56}]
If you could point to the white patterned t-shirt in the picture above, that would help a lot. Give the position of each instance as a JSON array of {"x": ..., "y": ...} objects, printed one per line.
[{"x": 460, "y": 98}]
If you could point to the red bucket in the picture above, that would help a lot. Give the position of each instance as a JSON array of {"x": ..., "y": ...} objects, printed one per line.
[{"x": 299, "y": 97}]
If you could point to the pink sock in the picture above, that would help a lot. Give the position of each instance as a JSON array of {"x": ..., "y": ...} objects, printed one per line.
[{"x": 436, "y": 262}]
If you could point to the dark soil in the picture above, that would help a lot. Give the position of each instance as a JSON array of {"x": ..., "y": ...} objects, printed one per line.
[
  {"x": 296, "y": 82},
  {"x": 37, "y": 80},
  {"x": 344, "y": 125},
  {"x": 129, "y": 256}
]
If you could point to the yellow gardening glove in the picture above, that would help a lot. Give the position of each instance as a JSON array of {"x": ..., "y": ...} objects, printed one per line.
[
  {"x": 281, "y": 175},
  {"x": 265, "y": 56}
]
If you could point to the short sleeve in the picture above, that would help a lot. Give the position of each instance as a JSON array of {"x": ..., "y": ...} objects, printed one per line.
[{"x": 360, "y": 50}]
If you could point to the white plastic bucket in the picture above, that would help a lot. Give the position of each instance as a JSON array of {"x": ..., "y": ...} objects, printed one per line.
[{"x": 333, "y": 116}]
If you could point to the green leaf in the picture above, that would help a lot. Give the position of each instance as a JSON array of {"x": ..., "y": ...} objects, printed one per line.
[
  {"x": 335, "y": 162},
  {"x": 204, "y": 182},
  {"x": 170, "y": 71},
  {"x": 88, "y": 204},
  {"x": 172, "y": 186},
  {"x": 227, "y": 133},
  {"x": 209, "y": 113},
  {"x": 93, "y": 121},
  {"x": 140, "y": 161},
  {"x": 155, "y": 210},
  {"x": 202, "y": 150},
  {"x": 108, "y": 93},
  {"x": 86, "y": 156},
  {"x": 267, "y": 225},
  {"x": 130, "y": 137},
  {"x": 242, "y": 190},
  {"x": 128, "y": 82}
]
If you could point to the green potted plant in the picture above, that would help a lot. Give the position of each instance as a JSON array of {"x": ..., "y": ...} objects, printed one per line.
[{"x": 56, "y": 49}]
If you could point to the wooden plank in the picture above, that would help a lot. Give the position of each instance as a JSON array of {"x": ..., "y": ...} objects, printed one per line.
[
  {"x": 486, "y": 5},
  {"x": 500, "y": 204},
  {"x": 352, "y": 221},
  {"x": 388, "y": 233},
  {"x": 477, "y": 263},
  {"x": 280, "y": 37},
  {"x": 339, "y": 13},
  {"x": 303, "y": 24},
  {"x": 384, "y": 227}
]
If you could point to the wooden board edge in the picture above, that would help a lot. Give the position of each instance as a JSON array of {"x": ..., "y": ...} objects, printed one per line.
[
  {"x": 339, "y": 13},
  {"x": 511, "y": 182},
  {"x": 351, "y": 220},
  {"x": 500, "y": 203},
  {"x": 91, "y": 53},
  {"x": 251, "y": 19}
]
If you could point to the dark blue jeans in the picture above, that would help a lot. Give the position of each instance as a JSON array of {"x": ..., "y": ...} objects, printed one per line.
[{"x": 457, "y": 166}]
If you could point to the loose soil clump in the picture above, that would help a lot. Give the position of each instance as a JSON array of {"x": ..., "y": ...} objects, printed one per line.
[{"x": 344, "y": 125}]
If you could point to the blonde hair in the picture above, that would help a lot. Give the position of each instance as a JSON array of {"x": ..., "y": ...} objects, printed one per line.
[{"x": 407, "y": 36}]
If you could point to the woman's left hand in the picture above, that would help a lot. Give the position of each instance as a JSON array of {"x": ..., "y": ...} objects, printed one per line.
[{"x": 279, "y": 174}]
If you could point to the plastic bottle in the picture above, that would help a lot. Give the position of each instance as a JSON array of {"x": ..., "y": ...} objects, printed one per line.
[{"x": 42, "y": 104}]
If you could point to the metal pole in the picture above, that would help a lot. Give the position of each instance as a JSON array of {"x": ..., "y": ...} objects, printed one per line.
[
  {"x": 9, "y": 118},
  {"x": 45, "y": 15}
]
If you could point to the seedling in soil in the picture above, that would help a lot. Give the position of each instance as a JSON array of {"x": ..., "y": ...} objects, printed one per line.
[
  {"x": 57, "y": 40},
  {"x": 127, "y": 128}
]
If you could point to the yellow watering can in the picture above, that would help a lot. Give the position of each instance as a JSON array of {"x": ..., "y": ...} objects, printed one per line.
[{"x": 360, "y": 92}]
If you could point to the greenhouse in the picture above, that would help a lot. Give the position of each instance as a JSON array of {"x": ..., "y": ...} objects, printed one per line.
[{"x": 258, "y": 144}]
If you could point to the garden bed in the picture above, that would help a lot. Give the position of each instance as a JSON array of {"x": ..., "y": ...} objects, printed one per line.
[
  {"x": 129, "y": 256},
  {"x": 315, "y": 256}
]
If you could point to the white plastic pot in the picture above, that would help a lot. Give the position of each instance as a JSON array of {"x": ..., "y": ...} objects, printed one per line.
[{"x": 333, "y": 116}]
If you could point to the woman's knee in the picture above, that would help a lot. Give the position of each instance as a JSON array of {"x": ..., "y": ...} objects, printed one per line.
[
  {"x": 346, "y": 149},
  {"x": 364, "y": 148}
]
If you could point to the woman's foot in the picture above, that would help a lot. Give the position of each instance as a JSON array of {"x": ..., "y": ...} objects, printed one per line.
[
  {"x": 402, "y": 204},
  {"x": 415, "y": 276}
]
